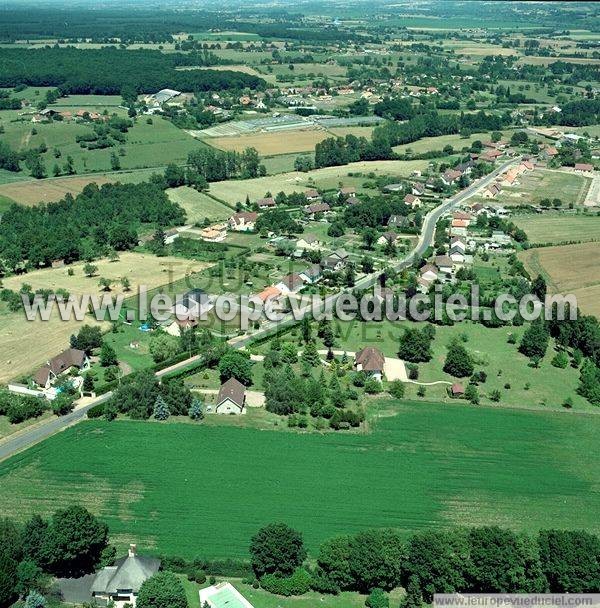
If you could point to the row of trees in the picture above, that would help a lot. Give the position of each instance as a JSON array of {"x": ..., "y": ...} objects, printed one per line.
[
  {"x": 83, "y": 226},
  {"x": 485, "y": 559},
  {"x": 212, "y": 165}
]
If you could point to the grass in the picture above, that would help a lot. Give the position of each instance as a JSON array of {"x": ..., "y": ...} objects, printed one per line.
[
  {"x": 559, "y": 228},
  {"x": 6, "y": 428},
  {"x": 571, "y": 269},
  {"x": 328, "y": 178},
  {"x": 198, "y": 205},
  {"x": 424, "y": 465}
]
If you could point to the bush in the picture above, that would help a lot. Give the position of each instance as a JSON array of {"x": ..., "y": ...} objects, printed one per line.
[
  {"x": 96, "y": 411},
  {"x": 413, "y": 371},
  {"x": 396, "y": 389},
  {"x": 296, "y": 584},
  {"x": 372, "y": 386},
  {"x": 377, "y": 599},
  {"x": 23, "y": 408},
  {"x": 560, "y": 360}
]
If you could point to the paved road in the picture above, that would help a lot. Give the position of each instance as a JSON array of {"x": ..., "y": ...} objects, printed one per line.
[{"x": 24, "y": 440}]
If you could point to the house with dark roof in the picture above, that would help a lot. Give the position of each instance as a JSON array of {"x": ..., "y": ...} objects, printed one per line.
[
  {"x": 312, "y": 274},
  {"x": 312, "y": 210},
  {"x": 243, "y": 221},
  {"x": 312, "y": 195},
  {"x": 193, "y": 304},
  {"x": 121, "y": 582},
  {"x": 370, "y": 360},
  {"x": 291, "y": 283},
  {"x": 72, "y": 358},
  {"x": 347, "y": 191},
  {"x": 266, "y": 203},
  {"x": 450, "y": 177},
  {"x": 231, "y": 398}
]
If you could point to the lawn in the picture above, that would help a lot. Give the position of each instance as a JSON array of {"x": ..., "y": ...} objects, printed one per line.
[
  {"x": 198, "y": 205},
  {"x": 559, "y": 228},
  {"x": 232, "y": 191},
  {"x": 571, "y": 269},
  {"x": 195, "y": 490}
]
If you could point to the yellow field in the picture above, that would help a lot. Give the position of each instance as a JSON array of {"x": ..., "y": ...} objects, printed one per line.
[
  {"x": 140, "y": 269},
  {"x": 571, "y": 269},
  {"x": 266, "y": 144},
  {"x": 327, "y": 178},
  {"x": 356, "y": 131}
]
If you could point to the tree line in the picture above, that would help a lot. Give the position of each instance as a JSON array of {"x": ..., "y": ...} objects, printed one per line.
[{"x": 108, "y": 70}]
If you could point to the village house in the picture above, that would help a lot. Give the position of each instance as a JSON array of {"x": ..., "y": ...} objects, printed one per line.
[
  {"x": 193, "y": 304},
  {"x": 244, "y": 221},
  {"x": 387, "y": 237},
  {"x": 445, "y": 264},
  {"x": 291, "y": 283},
  {"x": 72, "y": 358},
  {"x": 266, "y": 203},
  {"x": 412, "y": 200},
  {"x": 312, "y": 195},
  {"x": 309, "y": 241},
  {"x": 370, "y": 360},
  {"x": 269, "y": 294},
  {"x": 583, "y": 167},
  {"x": 457, "y": 391},
  {"x": 332, "y": 263},
  {"x": 399, "y": 221},
  {"x": 450, "y": 176},
  {"x": 429, "y": 272},
  {"x": 394, "y": 187},
  {"x": 467, "y": 218},
  {"x": 509, "y": 178},
  {"x": 120, "y": 584},
  {"x": 352, "y": 200},
  {"x": 347, "y": 191},
  {"x": 312, "y": 274},
  {"x": 177, "y": 327},
  {"x": 214, "y": 234},
  {"x": 491, "y": 191},
  {"x": 418, "y": 189},
  {"x": 231, "y": 398},
  {"x": 163, "y": 96},
  {"x": 312, "y": 210}
]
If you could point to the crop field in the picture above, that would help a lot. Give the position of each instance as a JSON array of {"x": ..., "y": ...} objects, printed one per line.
[
  {"x": 426, "y": 144},
  {"x": 198, "y": 205},
  {"x": 556, "y": 229},
  {"x": 429, "y": 466},
  {"x": 232, "y": 191},
  {"x": 356, "y": 131},
  {"x": 272, "y": 143},
  {"x": 32, "y": 192},
  {"x": 571, "y": 269}
]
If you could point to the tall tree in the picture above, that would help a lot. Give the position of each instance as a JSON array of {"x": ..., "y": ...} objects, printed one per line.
[{"x": 276, "y": 549}]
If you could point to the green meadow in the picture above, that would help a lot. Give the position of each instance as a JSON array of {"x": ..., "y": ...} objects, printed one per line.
[{"x": 193, "y": 490}]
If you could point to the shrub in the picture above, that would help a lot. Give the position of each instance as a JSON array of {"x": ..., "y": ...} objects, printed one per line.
[
  {"x": 372, "y": 386},
  {"x": 96, "y": 411},
  {"x": 413, "y": 371},
  {"x": 396, "y": 389},
  {"x": 296, "y": 584},
  {"x": 377, "y": 599},
  {"x": 560, "y": 360}
]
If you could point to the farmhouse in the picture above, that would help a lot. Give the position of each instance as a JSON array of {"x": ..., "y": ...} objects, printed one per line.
[
  {"x": 347, "y": 191},
  {"x": 266, "y": 203},
  {"x": 584, "y": 167},
  {"x": 457, "y": 390},
  {"x": 371, "y": 360},
  {"x": 450, "y": 177},
  {"x": 231, "y": 398},
  {"x": 429, "y": 272},
  {"x": 269, "y": 294},
  {"x": 418, "y": 189},
  {"x": 387, "y": 237},
  {"x": 312, "y": 195},
  {"x": 412, "y": 200},
  {"x": 315, "y": 208},
  {"x": 121, "y": 583},
  {"x": 243, "y": 221},
  {"x": 223, "y": 595},
  {"x": 491, "y": 191},
  {"x": 171, "y": 235},
  {"x": 462, "y": 216},
  {"x": 444, "y": 263},
  {"x": 72, "y": 358},
  {"x": 214, "y": 234}
]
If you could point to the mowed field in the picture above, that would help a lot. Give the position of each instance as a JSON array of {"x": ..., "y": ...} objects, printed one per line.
[
  {"x": 141, "y": 269},
  {"x": 549, "y": 228},
  {"x": 33, "y": 192},
  {"x": 198, "y": 205},
  {"x": 232, "y": 191},
  {"x": 282, "y": 142},
  {"x": 570, "y": 269},
  {"x": 423, "y": 466}
]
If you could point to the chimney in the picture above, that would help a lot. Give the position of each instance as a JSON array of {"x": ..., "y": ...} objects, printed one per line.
[{"x": 132, "y": 550}]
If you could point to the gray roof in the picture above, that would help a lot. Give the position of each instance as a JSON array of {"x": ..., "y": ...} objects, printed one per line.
[{"x": 128, "y": 573}]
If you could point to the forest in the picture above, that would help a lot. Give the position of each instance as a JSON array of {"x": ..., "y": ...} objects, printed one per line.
[
  {"x": 86, "y": 226},
  {"x": 106, "y": 71}
]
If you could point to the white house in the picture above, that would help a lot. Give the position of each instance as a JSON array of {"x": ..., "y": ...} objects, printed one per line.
[
  {"x": 231, "y": 398},
  {"x": 309, "y": 241},
  {"x": 291, "y": 283},
  {"x": 72, "y": 358},
  {"x": 193, "y": 304},
  {"x": 444, "y": 263},
  {"x": 244, "y": 221},
  {"x": 429, "y": 272}
]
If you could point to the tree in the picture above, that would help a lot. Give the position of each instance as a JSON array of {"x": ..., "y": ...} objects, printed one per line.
[
  {"x": 8, "y": 576},
  {"x": 108, "y": 356},
  {"x": 126, "y": 284},
  {"x": 377, "y": 599},
  {"x": 163, "y": 347},
  {"x": 88, "y": 338},
  {"x": 458, "y": 361},
  {"x": 535, "y": 340},
  {"x": 415, "y": 346},
  {"x": 376, "y": 558},
  {"x": 35, "y": 600},
  {"x": 90, "y": 270},
  {"x": 163, "y": 590},
  {"x": 289, "y": 353},
  {"x": 34, "y": 534},
  {"x": 334, "y": 562},
  {"x": 196, "y": 411},
  {"x": 413, "y": 597},
  {"x": 539, "y": 287},
  {"x": 115, "y": 163},
  {"x": 73, "y": 543},
  {"x": 396, "y": 389},
  {"x": 161, "y": 410},
  {"x": 104, "y": 283},
  {"x": 310, "y": 355},
  {"x": 472, "y": 394},
  {"x": 501, "y": 561},
  {"x": 235, "y": 364},
  {"x": 369, "y": 236},
  {"x": 276, "y": 549}
]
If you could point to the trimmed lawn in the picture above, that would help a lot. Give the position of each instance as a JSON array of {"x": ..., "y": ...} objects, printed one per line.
[{"x": 194, "y": 489}]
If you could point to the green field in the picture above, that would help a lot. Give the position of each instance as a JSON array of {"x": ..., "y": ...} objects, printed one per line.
[
  {"x": 556, "y": 228},
  {"x": 199, "y": 206},
  {"x": 197, "y": 490}
]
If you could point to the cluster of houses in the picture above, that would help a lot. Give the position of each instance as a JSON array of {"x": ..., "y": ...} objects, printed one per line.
[
  {"x": 508, "y": 178},
  {"x": 77, "y": 115}
]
